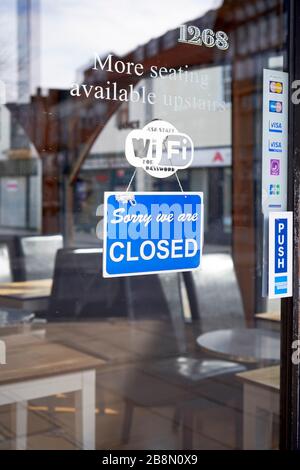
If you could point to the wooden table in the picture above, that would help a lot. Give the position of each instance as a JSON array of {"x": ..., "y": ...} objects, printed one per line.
[
  {"x": 36, "y": 368},
  {"x": 269, "y": 320},
  {"x": 261, "y": 404},
  {"x": 269, "y": 316},
  {"x": 247, "y": 345},
  {"x": 27, "y": 295}
]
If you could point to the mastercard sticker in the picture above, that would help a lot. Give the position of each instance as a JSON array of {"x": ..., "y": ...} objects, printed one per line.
[{"x": 276, "y": 87}]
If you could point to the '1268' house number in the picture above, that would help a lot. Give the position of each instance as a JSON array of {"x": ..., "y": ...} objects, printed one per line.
[{"x": 193, "y": 35}]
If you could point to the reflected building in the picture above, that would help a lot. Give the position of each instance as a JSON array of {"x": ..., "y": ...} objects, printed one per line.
[
  {"x": 28, "y": 33},
  {"x": 20, "y": 169},
  {"x": 187, "y": 352},
  {"x": 65, "y": 128}
]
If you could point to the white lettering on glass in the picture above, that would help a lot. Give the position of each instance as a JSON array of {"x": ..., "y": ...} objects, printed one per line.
[{"x": 208, "y": 38}]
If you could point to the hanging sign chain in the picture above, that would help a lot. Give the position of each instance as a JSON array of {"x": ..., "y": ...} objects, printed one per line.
[
  {"x": 178, "y": 180},
  {"x": 131, "y": 181},
  {"x": 125, "y": 197}
]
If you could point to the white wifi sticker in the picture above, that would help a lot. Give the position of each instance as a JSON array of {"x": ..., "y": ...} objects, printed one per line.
[{"x": 159, "y": 149}]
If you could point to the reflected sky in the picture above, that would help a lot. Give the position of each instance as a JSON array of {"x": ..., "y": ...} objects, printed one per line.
[
  {"x": 82, "y": 28},
  {"x": 72, "y": 30}
]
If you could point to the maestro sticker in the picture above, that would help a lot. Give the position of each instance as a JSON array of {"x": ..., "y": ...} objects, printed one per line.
[{"x": 159, "y": 149}]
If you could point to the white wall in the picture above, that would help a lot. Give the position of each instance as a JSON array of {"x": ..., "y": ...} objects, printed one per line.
[
  {"x": 204, "y": 119},
  {"x": 199, "y": 110}
]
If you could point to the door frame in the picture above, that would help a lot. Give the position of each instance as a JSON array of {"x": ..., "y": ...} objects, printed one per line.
[{"x": 290, "y": 326}]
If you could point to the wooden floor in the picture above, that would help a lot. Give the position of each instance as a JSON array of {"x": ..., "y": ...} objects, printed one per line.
[{"x": 130, "y": 349}]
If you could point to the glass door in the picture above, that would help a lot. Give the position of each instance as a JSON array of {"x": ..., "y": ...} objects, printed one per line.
[{"x": 194, "y": 359}]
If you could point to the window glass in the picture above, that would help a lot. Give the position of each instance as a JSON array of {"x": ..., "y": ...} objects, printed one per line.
[{"x": 168, "y": 360}]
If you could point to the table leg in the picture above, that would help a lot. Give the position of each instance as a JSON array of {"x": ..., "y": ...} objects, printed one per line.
[
  {"x": 78, "y": 418},
  {"x": 259, "y": 408},
  {"x": 264, "y": 427},
  {"x": 85, "y": 403},
  {"x": 249, "y": 420},
  {"x": 187, "y": 429},
  {"x": 20, "y": 425}
]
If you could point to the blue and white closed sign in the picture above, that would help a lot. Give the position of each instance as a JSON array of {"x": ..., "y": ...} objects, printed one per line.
[
  {"x": 146, "y": 233},
  {"x": 280, "y": 254}
]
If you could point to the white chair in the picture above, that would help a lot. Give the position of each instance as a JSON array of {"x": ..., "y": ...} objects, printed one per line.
[{"x": 5, "y": 267}]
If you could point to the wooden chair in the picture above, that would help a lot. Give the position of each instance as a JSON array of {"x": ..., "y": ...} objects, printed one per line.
[
  {"x": 215, "y": 289},
  {"x": 10, "y": 317},
  {"x": 214, "y": 294},
  {"x": 80, "y": 292}
]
